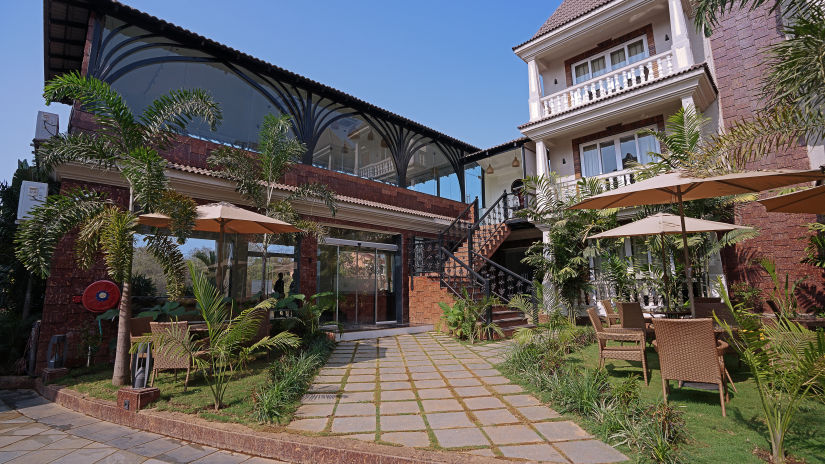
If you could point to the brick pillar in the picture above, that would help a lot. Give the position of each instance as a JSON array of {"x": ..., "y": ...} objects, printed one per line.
[{"x": 308, "y": 266}]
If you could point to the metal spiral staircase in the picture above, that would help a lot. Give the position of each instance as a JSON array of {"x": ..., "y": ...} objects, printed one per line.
[{"x": 460, "y": 259}]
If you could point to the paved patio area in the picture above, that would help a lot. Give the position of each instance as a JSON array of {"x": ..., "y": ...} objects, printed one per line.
[
  {"x": 36, "y": 431},
  {"x": 427, "y": 390}
]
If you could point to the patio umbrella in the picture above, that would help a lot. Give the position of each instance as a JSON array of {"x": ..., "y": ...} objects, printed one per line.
[
  {"x": 223, "y": 217},
  {"x": 677, "y": 187},
  {"x": 806, "y": 201},
  {"x": 666, "y": 224}
]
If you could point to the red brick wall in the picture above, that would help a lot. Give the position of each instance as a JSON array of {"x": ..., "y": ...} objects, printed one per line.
[
  {"x": 67, "y": 279},
  {"x": 608, "y": 44},
  {"x": 617, "y": 129},
  {"x": 739, "y": 44},
  {"x": 425, "y": 295}
]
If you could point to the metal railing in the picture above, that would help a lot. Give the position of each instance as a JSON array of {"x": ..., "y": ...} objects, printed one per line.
[
  {"x": 457, "y": 231},
  {"x": 505, "y": 283}
]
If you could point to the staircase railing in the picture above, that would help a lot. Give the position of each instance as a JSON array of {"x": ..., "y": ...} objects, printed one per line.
[
  {"x": 457, "y": 231},
  {"x": 505, "y": 283},
  {"x": 488, "y": 224}
]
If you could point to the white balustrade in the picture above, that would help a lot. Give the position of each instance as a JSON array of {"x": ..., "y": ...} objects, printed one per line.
[{"x": 644, "y": 71}]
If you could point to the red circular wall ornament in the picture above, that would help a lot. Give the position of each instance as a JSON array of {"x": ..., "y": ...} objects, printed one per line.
[{"x": 101, "y": 296}]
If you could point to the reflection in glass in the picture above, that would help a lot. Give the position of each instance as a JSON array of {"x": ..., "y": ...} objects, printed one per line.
[
  {"x": 647, "y": 145},
  {"x": 636, "y": 51},
  {"x": 608, "y": 152},
  {"x": 627, "y": 145},
  {"x": 590, "y": 161},
  {"x": 617, "y": 59}
]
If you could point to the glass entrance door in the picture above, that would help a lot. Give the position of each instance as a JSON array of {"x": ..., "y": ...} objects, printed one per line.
[{"x": 360, "y": 275}]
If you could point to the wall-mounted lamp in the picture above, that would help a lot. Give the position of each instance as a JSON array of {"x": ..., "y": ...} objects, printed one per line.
[
  {"x": 490, "y": 169},
  {"x": 555, "y": 81},
  {"x": 516, "y": 162},
  {"x": 564, "y": 161},
  {"x": 667, "y": 37}
]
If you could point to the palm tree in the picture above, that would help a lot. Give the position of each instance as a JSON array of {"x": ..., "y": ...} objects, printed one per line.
[
  {"x": 130, "y": 146},
  {"x": 256, "y": 175}
]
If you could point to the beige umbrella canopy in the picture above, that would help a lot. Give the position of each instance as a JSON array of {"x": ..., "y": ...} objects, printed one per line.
[
  {"x": 806, "y": 201},
  {"x": 677, "y": 187},
  {"x": 666, "y": 224},
  {"x": 223, "y": 217}
]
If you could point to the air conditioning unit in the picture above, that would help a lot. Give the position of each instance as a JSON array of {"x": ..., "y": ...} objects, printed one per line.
[{"x": 48, "y": 125}]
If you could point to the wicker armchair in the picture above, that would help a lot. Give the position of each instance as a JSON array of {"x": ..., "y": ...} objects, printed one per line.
[
  {"x": 630, "y": 315},
  {"x": 611, "y": 316},
  {"x": 167, "y": 358},
  {"x": 139, "y": 329},
  {"x": 689, "y": 352},
  {"x": 707, "y": 310},
  {"x": 634, "y": 352}
]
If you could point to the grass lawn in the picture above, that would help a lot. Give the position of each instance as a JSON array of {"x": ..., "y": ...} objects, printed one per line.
[
  {"x": 713, "y": 438},
  {"x": 197, "y": 399}
]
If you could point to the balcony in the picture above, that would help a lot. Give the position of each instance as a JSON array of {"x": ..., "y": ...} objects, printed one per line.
[
  {"x": 609, "y": 181},
  {"x": 624, "y": 79}
]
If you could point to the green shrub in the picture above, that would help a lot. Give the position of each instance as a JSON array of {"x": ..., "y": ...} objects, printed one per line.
[{"x": 464, "y": 319}]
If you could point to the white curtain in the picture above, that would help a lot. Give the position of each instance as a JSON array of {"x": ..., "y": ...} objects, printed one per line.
[
  {"x": 590, "y": 161},
  {"x": 647, "y": 144}
]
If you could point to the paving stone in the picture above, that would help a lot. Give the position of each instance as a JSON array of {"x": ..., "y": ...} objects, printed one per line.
[
  {"x": 32, "y": 443},
  {"x": 393, "y": 377},
  {"x": 357, "y": 397},
  {"x": 454, "y": 438},
  {"x": 481, "y": 452},
  {"x": 590, "y": 452},
  {"x": 486, "y": 372},
  {"x": 359, "y": 386},
  {"x": 399, "y": 407},
  {"x": 159, "y": 446},
  {"x": 495, "y": 417},
  {"x": 84, "y": 455},
  {"x": 506, "y": 389},
  {"x": 440, "y": 405},
  {"x": 37, "y": 457},
  {"x": 434, "y": 393},
  {"x": 426, "y": 375},
  {"x": 68, "y": 442},
  {"x": 122, "y": 457},
  {"x": 484, "y": 402},
  {"x": 259, "y": 460},
  {"x": 186, "y": 453},
  {"x": 511, "y": 434},
  {"x": 361, "y": 436},
  {"x": 421, "y": 369},
  {"x": 360, "y": 378},
  {"x": 330, "y": 378},
  {"x": 457, "y": 374},
  {"x": 401, "y": 423},
  {"x": 361, "y": 371},
  {"x": 412, "y": 439},
  {"x": 542, "y": 452},
  {"x": 521, "y": 400},
  {"x": 537, "y": 413},
  {"x": 355, "y": 409},
  {"x": 562, "y": 430},
  {"x": 30, "y": 429},
  {"x": 309, "y": 425},
  {"x": 466, "y": 392},
  {"x": 395, "y": 386},
  {"x": 448, "y": 420},
  {"x": 221, "y": 457},
  {"x": 498, "y": 380},
  {"x": 469, "y": 382},
  {"x": 435, "y": 383},
  {"x": 318, "y": 398},
  {"x": 443, "y": 367},
  {"x": 6, "y": 440},
  {"x": 397, "y": 395},
  {"x": 134, "y": 439},
  {"x": 68, "y": 420},
  {"x": 314, "y": 410},
  {"x": 353, "y": 424},
  {"x": 392, "y": 370},
  {"x": 324, "y": 388}
]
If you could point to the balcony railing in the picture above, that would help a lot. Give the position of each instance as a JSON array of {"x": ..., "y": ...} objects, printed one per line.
[
  {"x": 609, "y": 181},
  {"x": 641, "y": 72}
]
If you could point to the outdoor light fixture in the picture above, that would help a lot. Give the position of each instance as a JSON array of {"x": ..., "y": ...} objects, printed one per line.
[
  {"x": 370, "y": 137},
  {"x": 516, "y": 162},
  {"x": 666, "y": 38},
  {"x": 490, "y": 169}
]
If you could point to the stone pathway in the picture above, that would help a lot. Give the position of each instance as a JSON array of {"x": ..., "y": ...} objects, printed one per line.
[
  {"x": 36, "y": 431},
  {"x": 429, "y": 391}
]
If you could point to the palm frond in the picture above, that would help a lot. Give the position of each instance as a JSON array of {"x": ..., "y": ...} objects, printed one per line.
[
  {"x": 171, "y": 260},
  {"x": 316, "y": 191},
  {"x": 168, "y": 115},
  {"x": 117, "y": 240},
  {"x": 182, "y": 210},
  {"x": 144, "y": 169},
  {"x": 80, "y": 147},
  {"x": 796, "y": 74},
  {"x": 38, "y": 236},
  {"x": 242, "y": 168}
]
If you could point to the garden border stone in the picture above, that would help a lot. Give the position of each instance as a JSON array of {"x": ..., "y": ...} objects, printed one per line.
[{"x": 238, "y": 438}]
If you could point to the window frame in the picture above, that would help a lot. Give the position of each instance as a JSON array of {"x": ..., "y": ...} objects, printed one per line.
[
  {"x": 616, "y": 140},
  {"x": 606, "y": 56}
]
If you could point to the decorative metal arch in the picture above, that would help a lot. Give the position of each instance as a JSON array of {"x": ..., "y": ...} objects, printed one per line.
[{"x": 402, "y": 143}]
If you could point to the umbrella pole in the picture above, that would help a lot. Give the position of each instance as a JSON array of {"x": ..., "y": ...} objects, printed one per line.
[
  {"x": 665, "y": 274},
  {"x": 688, "y": 270},
  {"x": 219, "y": 270}
]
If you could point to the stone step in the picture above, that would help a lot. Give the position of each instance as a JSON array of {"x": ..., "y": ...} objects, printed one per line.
[
  {"x": 506, "y": 314},
  {"x": 509, "y": 331},
  {"x": 508, "y": 322}
]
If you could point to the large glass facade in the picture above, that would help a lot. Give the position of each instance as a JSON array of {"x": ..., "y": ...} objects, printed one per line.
[{"x": 142, "y": 66}]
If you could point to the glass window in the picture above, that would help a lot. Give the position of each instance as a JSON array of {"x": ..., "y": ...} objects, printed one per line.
[
  {"x": 582, "y": 73},
  {"x": 590, "y": 161},
  {"x": 430, "y": 172},
  {"x": 647, "y": 145},
  {"x": 472, "y": 183},
  {"x": 617, "y": 59},
  {"x": 608, "y": 152},
  {"x": 598, "y": 67},
  {"x": 636, "y": 51},
  {"x": 629, "y": 154}
]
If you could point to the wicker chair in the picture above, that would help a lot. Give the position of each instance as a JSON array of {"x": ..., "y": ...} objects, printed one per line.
[
  {"x": 166, "y": 358},
  {"x": 635, "y": 352},
  {"x": 138, "y": 329},
  {"x": 707, "y": 310},
  {"x": 689, "y": 352},
  {"x": 630, "y": 315},
  {"x": 611, "y": 316}
]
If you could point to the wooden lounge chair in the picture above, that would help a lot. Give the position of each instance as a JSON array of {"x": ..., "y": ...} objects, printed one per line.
[
  {"x": 611, "y": 316},
  {"x": 689, "y": 352},
  {"x": 631, "y": 317},
  {"x": 634, "y": 352}
]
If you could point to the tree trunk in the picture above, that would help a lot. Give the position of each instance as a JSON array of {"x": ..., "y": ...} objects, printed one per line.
[
  {"x": 121, "y": 376},
  {"x": 265, "y": 243},
  {"x": 27, "y": 301}
]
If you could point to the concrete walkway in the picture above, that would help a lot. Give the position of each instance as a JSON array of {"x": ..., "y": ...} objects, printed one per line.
[
  {"x": 427, "y": 390},
  {"x": 36, "y": 431}
]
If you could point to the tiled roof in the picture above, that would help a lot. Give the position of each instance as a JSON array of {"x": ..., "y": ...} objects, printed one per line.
[
  {"x": 292, "y": 188},
  {"x": 492, "y": 151},
  {"x": 566, "y": 12},
  {"x": 624, "y": 91}
]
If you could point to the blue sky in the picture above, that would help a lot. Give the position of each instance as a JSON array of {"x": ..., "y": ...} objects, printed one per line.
[{"x": 448, "y": 65}]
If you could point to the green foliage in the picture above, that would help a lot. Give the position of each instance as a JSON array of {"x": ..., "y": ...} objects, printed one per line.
[
  {"x": 620, "y": 272},
  {"x": 787, "y": 362},
  {"x": 168, "y": 311},
  {"x": 465, "y": 319},
  {"x": 143, "y": 286},
  {"x": 227, "y": 336},
  {"x": 783, "y": 293},
  {"x": 289, "y": 378},
  {"x": 749, "y": 296},
  {"x": 815, "y": 250}
]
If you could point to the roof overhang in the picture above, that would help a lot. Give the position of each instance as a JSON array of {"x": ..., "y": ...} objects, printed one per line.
[
  {"x": 65, "y": 25},
  {"x": 213, "y": 189},
  {"x": 695, "y": 82}
]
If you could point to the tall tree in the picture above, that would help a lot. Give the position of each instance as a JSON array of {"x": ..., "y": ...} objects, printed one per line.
[
  {"x": 128, "y": 145},
  {"x": 256, "y": 176}
]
